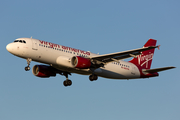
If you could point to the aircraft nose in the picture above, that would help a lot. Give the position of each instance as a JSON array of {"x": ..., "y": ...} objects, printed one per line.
[{"x": 9, "y": 48}]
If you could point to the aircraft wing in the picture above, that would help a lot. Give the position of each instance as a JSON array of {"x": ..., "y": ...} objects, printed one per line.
[
  {"x": 106, "y": 58},
  {"x": 158, "y": 69}
]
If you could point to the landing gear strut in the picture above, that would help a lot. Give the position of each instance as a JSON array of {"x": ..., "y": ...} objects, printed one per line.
[
  {"x": 93, "y": 77},
  {"x": 67, "y": 82},
  {"x": 27, "y": 68}
]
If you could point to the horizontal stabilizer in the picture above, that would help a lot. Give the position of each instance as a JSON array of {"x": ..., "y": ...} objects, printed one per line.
[{"x": 158, "y": 69}]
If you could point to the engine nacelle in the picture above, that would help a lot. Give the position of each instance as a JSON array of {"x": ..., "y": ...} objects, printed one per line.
[
  {"x": 64, "y": 61},
  {"x": 80, "y": 62},
  {"x": 43, "y": 71}
]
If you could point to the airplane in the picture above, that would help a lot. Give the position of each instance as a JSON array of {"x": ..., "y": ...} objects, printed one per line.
[{"x": 65, "y": 60}]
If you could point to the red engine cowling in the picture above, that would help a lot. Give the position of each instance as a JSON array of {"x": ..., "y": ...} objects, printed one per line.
[
  {"x": 80, "y": 62},
  {"x": 43, "y": 71}
]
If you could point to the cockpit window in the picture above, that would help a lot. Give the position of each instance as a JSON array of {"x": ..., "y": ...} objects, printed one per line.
[
  {"x": 16, "y": 40},
  {"x": 21, "y": 41}
]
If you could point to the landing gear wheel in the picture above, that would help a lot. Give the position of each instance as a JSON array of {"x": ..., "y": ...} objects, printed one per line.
[
  {"x": 93, "y": 77},
  {"x": 67, "y": 83},
  {"x": 28, "y": 62},
  {"x": 27, "y": 68}
]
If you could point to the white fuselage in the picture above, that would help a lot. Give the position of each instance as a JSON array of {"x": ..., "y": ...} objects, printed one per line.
[{"x": 59, "y": 57}]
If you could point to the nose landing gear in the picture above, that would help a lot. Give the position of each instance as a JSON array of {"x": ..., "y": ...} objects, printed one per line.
[{"x": 27, "y": 68}]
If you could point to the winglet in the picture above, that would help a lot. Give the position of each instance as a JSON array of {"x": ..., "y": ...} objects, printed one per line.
[{"x": 159, "y": 47}]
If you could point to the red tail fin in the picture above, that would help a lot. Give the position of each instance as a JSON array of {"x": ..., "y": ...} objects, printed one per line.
[{"x": 145, "y": 59}]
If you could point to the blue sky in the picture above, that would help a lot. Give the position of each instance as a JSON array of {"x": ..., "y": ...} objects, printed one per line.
[{"x": 100, "y": 27}]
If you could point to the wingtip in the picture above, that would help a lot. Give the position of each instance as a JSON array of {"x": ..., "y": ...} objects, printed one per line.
[{"x": 173, "y": 67}]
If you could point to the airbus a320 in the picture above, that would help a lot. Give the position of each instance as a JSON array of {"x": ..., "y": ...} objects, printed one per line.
[{"x": 63, "y": 60}]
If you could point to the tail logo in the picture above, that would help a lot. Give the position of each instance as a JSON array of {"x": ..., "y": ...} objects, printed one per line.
[{"x": 144, "y": 59}]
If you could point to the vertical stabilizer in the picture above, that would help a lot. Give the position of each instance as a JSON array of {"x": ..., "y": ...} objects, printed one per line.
[{"x": 145, "y": 59}]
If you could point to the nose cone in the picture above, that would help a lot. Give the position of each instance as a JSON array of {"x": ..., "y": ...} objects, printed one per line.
[{"x": 9, "y": 48}]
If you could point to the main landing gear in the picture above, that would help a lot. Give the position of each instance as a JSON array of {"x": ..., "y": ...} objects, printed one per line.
[
  {"x": 93, "y": 77},
  {"x": 67, "y": 82},
  {"x": 27, "y": 68}
]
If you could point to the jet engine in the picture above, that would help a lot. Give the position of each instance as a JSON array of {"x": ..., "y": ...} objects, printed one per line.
[
  {"x": 80, "y": 62},
  {"x": 43, "y": 71}
]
